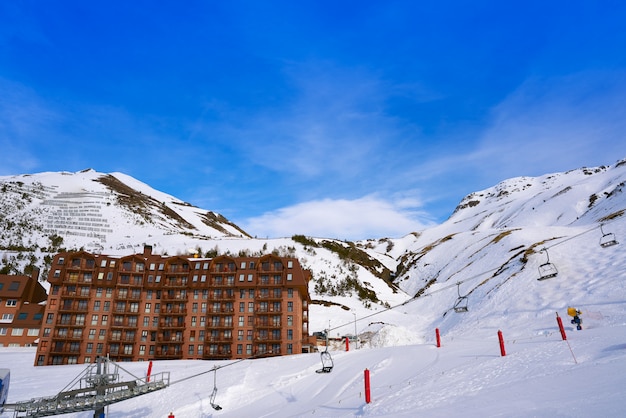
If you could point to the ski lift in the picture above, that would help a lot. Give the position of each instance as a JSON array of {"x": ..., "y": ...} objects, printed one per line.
[
  {"x": 327, "y": 360},
  {"x": 607, "y": 239},
  {"x": 214, "y": 393},
  {"x": 547, "y": 270},
  {"x": 461, "y": 303}
]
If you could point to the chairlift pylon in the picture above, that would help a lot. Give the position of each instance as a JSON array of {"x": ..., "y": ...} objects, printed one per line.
[
  {"x": 547, "y": 270},
  {"x": 607, "y": 239},
  {"x": 461, "y": 303},
  {"x": 214, "y": 393}
]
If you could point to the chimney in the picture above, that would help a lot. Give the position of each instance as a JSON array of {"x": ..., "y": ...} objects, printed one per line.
[{"x": 147, "y": 250}]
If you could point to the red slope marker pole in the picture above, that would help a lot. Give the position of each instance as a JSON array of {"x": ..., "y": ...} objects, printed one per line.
[
  {"x": 347, "y": 344},
  {"x": 149, "y": 372},
  {"x": 438, "y": 337},
  {"x": 558, "y": 320},
  {"x": 502, "y": 351},
  {"x": 368, "y": 397}
]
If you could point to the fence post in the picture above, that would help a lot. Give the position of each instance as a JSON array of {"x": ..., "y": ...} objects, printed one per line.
[
  {"x": 558, "y": 320},
  {"x": 149, "y": 372},
  {"x": 438, "y": 337},
  {"x": 367, "y": 386},
  {"x": 502, "y": 351}
]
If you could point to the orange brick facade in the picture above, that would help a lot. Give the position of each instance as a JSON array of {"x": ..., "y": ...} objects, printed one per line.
[
  {"x": 151, "y": 307},
  {"x": 21, "y": 310}
]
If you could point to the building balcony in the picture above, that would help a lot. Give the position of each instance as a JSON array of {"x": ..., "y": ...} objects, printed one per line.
[
  {"x": 220, "y": 354},
  {"x": 73, "y": 308},
  {"x": 182, "y": 310},
  {"x": 179, "y": 297},
  {"x": 70, "y": 324},
  {"x": 268, "y": 324},
  {"x": 123, "y": 325},
  {"x": 65, "y": 293},
  {"x": 221, "y": 310},
  {"x": 219, "y": 325},
  {"x": 66, "y": 337},
  {"x": 221, "y": 298},
  {"x": 268, "y": 339},
  {"x": 171, "y": 353},
  {"x": 171, "y": 324}
]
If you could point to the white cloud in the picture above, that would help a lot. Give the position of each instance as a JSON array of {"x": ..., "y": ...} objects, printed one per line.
[{"x": 366, "y": 217}]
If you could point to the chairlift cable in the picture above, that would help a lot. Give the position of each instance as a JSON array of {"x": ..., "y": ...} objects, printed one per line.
[{"x": 413, "y": 299}]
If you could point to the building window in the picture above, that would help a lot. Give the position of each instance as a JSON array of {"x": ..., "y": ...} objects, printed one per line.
[
  {"x": 290, "y": 334},
  {"x": 289, "y": 320},
  {"x": 11, "y": 302},
  {"x": 290, "y": 348},
  {"x": 8, "y": 317},
  {"x": 17, "y": 332},
  {"x": 289, "y": 277},
  {"x": 290, "y": 306}
]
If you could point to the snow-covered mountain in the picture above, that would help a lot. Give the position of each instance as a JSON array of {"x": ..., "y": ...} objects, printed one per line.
[
  {"x": 487, "y": 255},
  {"x": 494, "y": 238}
]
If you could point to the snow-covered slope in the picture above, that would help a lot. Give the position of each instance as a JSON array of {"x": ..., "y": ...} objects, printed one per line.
[
  {"x": 495, "y": 239},
  {"x": 490, "y": 252},
  {"x": 89, "y": 209}
]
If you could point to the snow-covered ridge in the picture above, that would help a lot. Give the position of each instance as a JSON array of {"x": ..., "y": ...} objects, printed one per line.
[
  {"x": 495, "y": 238},
  {"x": 90, "y": 209}
]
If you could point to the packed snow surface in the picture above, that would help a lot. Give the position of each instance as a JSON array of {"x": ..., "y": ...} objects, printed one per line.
[
  {"x": 490, "y": 252},
  {"x": 541, "y": 375}
]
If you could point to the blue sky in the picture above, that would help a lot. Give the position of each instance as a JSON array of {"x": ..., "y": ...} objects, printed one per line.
[{"x": 339, "y": 119}]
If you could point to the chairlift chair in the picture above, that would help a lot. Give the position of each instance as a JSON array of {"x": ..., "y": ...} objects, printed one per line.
[
  {"x": 547, "y": 270},
  {"x": 607, "y": 239},
  {"x": 327, "y": 360},
  {"x": 214, "y": 393},
  {"x": 461, "y": 303}
]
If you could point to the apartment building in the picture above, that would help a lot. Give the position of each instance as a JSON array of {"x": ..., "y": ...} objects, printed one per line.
[
  {"x": 148, "y": 306},
  {"x": 21, "y": 309}
]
